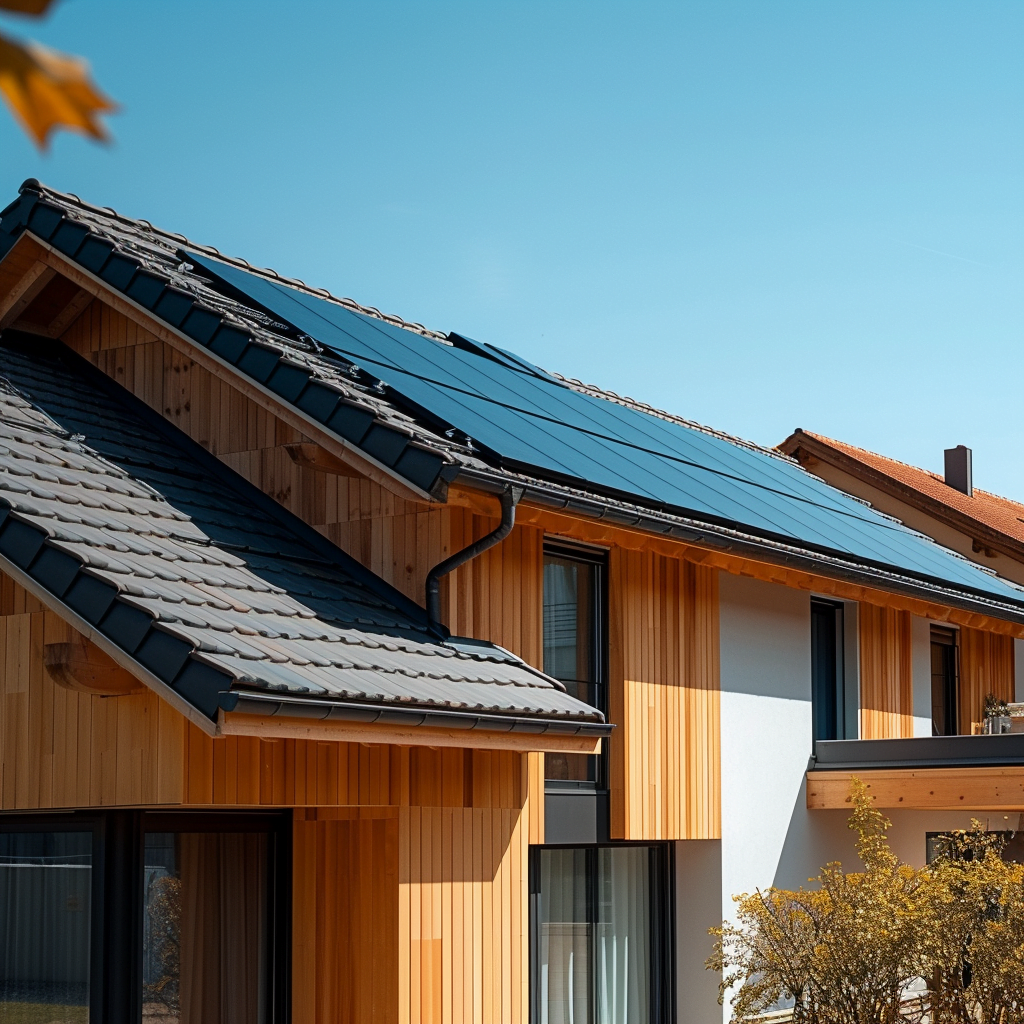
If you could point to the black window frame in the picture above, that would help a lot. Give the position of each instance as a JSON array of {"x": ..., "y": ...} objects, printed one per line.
[
  {"x": 597, "y": 557},
  {"x": 828, "y": 690},
  {"x": 949, "y": 640},
  {"x": 115, "y": 976},
  {"x": 662, "y": 910}
]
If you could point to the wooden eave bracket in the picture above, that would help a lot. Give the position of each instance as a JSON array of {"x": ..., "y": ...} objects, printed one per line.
[
  {"x": 29, "y": 250},
  {"x": 80, "y": 665}
]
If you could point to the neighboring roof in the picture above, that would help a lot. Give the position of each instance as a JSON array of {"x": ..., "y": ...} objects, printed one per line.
[
  {"x": 207, "y": 583},
  {"x": 434, "y": 409},
  {"x": 920, "y": 488}
]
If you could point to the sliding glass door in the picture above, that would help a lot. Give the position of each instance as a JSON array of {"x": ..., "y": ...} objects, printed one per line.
[
  {"x": 204, "y": 928},
  {"x": 144, "y": 918},
  {"x": 600, "y": 935}
]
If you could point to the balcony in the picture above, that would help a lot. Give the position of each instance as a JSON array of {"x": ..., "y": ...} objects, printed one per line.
[{"x": 984, "y": 773}]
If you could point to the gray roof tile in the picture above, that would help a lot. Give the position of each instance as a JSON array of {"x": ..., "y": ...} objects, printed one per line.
[{"x": 218, "y": 567}]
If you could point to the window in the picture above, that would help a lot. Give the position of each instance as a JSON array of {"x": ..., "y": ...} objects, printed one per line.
[
  {"x": 945, "y": 676},
  {"x": 46, "y": 897},
  {"x": 137, "y": 918},
  {"x": 828, "y": 689},
  {"x": 601, "y": 935},
  {"x": 204, "y": 927},
  {"x": 574, "y": 648}
]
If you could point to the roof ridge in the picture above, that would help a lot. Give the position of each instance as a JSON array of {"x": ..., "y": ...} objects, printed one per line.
[
  {"x": 292, "y": 282},
  {"x": 632, "y": 403},
  {"x": 909, "y": 465}
]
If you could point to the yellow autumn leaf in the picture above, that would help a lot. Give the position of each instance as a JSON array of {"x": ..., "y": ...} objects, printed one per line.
[
  {"x": 47, "y": 90},
  {"x": 33, "y": 8}
]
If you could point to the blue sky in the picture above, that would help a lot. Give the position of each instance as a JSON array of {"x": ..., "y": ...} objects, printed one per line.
[{"x": 760, "y": 215}]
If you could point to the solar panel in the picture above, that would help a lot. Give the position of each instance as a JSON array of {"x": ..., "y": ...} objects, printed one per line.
[{"x": 532, "y": 421}]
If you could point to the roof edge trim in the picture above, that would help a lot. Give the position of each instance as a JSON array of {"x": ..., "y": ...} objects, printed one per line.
[{"x": 705, "y": 535}]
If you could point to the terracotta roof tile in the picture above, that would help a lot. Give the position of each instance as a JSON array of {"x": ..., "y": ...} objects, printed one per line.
[{"x": 991, "y": 510}]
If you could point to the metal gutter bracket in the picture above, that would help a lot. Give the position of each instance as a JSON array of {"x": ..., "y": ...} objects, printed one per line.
[{"x": 509, "y": 498}]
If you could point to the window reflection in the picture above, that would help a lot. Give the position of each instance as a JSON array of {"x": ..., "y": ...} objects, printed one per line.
[
  {"x": 204, "y": 928},
  {"x": 45, "y": 927},
  {"x": 572, "y": 647},
  {"x": 595, "y": 962}
]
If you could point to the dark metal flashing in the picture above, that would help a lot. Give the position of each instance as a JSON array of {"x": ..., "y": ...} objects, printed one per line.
[
  {"x": 235, "y": 342},
  {"x": 352, "y": 711},
  {"x": 1006, "y": 750}
]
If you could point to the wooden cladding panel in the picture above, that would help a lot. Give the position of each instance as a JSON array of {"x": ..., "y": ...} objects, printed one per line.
[
  {"x": 886, "y": 682},
  {"x": 926, "y": 789},
  {"x": 986, "y": 666},
  {"x": 664, "y": 699},
  {"x": 417, "y": 915},
  {"x": 248, "y": 771},
  {"x": 60, "y": 748},
  {"x": 345, "y": 919}
]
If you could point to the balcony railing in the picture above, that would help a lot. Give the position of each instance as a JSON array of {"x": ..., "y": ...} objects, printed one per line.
[{"x": 1006, "y": 750}]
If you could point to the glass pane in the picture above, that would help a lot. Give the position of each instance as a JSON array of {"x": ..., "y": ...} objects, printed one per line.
[
  {"x": 204, "y": 928},
  {"x": 46, "y": 922},
  {"x": 570, "y": 646},
  {"x": 623, "y": 936},
  {"x": 566, "y": 934},
  {"x": 595, "y": 936},
  {"x": 569, "y": 619}
]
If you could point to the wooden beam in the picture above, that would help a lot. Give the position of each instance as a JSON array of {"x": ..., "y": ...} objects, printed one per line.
[
  {"x": 82, "y": 666},
  {"x": 18, "y": 299},
  {"x": 364, "y": 464},
  {"x": 320, "y": 460},
  {"x": 938, "y": 789},
  {"x": 274, "y": 727}
]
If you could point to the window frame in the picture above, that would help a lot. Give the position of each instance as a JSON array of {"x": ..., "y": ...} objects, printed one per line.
[
  {"x": 115, "y": 975},
  {"x": 597, "y": 557},
  {"x": 945, "y": 636},
  {"x": 838, "y": 724},
  {"x": 662, "y": 919}
]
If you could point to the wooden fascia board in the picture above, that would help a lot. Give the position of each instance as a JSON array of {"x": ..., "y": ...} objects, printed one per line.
[
  {"x": 275, "y": 727},
  {"x": 931, "y": 789},
  {"x": 362, "y": 463},
  {"x": 945, "y": 514},
  {"x": 125, "y": 661}
]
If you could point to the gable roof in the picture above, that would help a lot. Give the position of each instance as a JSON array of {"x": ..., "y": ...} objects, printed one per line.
[
  {"x": 211, "y": 587},
  {"x": 431, "y": 409},
  {"x": 982, "y": 515}
]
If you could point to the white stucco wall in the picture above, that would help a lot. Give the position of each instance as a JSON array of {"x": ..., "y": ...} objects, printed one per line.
[
  {"x": 921, "y": 673},
  {"x": 768, "y": 835}
]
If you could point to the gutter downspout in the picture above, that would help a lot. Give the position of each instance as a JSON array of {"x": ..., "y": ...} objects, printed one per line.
[{"x": 509, "y": 497}]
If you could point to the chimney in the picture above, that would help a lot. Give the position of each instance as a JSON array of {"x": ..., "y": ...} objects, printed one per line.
[{"x": 958, "y": 469}]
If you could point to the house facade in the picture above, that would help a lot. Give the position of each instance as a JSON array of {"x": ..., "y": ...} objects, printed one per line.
[{"x": 357, "y": 672}]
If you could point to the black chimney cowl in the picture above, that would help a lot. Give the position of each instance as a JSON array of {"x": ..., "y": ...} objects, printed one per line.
[{"x": 958, "y": 469}]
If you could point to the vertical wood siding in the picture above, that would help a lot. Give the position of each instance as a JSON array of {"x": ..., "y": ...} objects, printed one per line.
[
  {"x": 60, "y": 748},
  {"x": 886, "y": 683},
  {"x": 986, "y": 666},
  {"x": 663, "y": 647},
  {"x": 414, "y": 914}
]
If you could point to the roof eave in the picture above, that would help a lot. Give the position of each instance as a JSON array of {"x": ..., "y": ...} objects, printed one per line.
[{"x": 736, "y": 542}]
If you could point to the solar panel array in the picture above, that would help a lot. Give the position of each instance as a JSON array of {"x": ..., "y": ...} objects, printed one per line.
[{"x": 532, "y": 421}]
